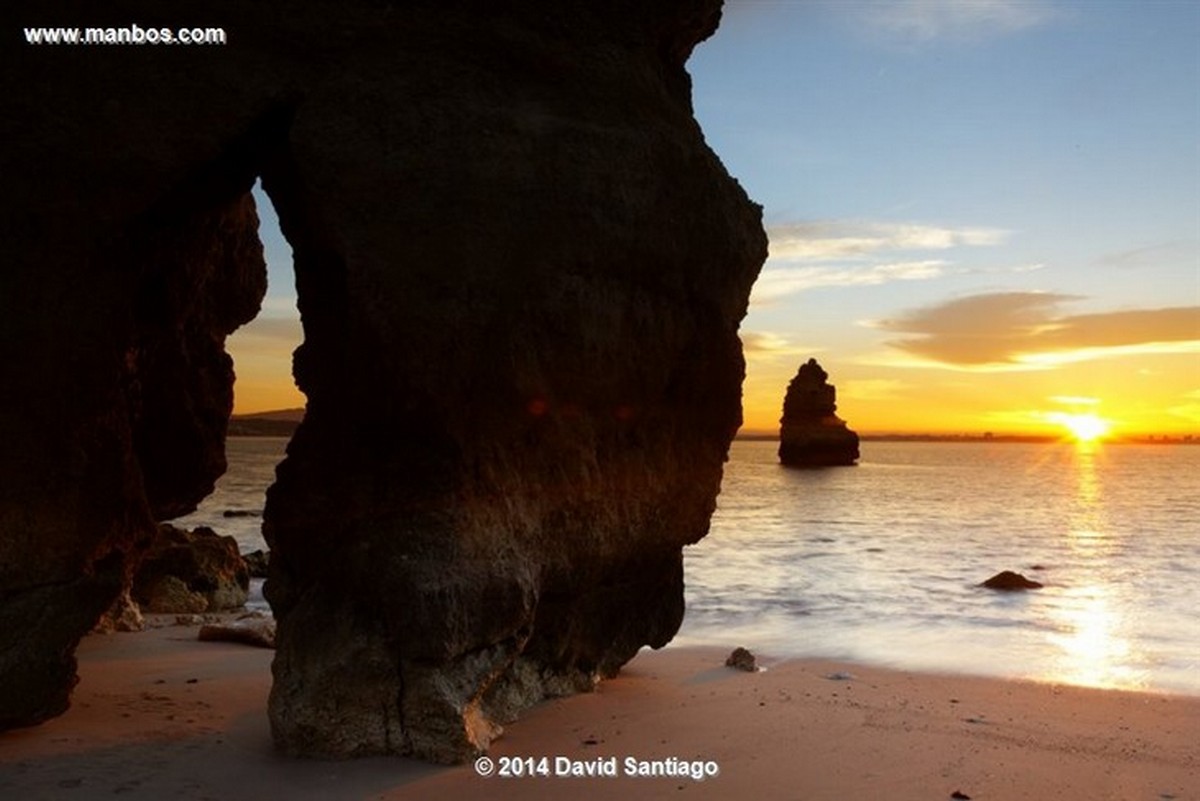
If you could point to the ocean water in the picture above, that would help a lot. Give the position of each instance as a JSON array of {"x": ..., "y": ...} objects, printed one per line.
[
  {"x": 880, "y": 563},
  {"x": 235, "y": 507},
  {"x": 236, "y": 504}
]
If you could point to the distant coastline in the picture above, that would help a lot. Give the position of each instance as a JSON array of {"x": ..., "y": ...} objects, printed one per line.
[
  {"x": 283, "y": 423},
  {"x": 277, "y": 423},
  {"x": 1157, "y": 439}
]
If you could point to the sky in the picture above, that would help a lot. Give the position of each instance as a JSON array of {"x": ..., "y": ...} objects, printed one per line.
[{"x": 983, "y": 215}]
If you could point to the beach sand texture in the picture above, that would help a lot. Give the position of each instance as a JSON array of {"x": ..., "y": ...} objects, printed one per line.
[{"x": 159, "y": 715}]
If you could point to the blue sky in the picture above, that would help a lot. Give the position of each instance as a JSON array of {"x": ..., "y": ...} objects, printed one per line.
[
  {"x": 976, "y": 209},
  {"x": 987, "y": 170}
]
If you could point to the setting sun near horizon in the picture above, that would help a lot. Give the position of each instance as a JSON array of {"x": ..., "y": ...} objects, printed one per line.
[{"x": 1085, "y": 427}]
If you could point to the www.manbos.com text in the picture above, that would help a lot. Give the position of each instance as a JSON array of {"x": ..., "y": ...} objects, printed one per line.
[{"x": 129, "y": 35}]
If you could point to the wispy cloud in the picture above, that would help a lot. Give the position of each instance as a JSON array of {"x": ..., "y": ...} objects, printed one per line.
[
  {"x": 839, "y": 240},
  {"x": 1014, "y": 269},
  {"x": 1175, "y": 250},
  {"x": 762, "y": 342},
  {"x": 813, "y": 255},
  {"x": 1074, "y": 400},
  {"x": 1009, "y": 330},
  {"x": 914, "y": 22},
  {"x": 780, "y": 282},
  {"x": 1030, "y": 418},
  {"x": 1087, "y": 354},
  {"x": 765, "y": 346}
]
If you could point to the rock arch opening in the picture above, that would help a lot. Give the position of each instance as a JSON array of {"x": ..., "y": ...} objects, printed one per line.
[
  {"x": 267, "y": 407},
  {"x": 265, "y": 389}
]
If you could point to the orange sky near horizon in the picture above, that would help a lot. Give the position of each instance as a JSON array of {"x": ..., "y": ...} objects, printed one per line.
[{"x": 1137, "y": 395}]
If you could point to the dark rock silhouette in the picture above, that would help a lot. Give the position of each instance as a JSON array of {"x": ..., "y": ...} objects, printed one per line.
[
  {"x": 520, "y": 274},
  {"x": 262, "y": 426},
  {"x": 123, "y": 615},
  {"x": 200, "y": 279},
  {"x": 250, "y": 629},
  {"x": 257, "y": 563},
  {"x": 742, "y": 659},
  {"x": 116, "y": 386},
  {"x": 810, "y": 432},
  {"x": 1009, "y": 581},
  {"x": 190, "y": 571}
]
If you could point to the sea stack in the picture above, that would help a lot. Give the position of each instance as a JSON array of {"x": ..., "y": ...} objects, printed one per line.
[{"x": 810, "y": 432}]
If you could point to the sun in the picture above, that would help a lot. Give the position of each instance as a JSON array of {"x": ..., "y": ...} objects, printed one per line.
[{"x": 1085, "y": 427}]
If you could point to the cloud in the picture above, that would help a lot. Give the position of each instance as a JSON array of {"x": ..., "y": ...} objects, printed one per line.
[
  {"x": 1073, "y": 400},
  {"x": 913, "y": 22},
  {"x": 1031, "y": 418},
  {"x": 1087, "y": 354},
  {"x": 1027, "y": 329},
  {"x": 1175, "y": 250},
  {"x": 840, "y": 240},
  {"x": 1124, "y": 328},
  {"x": 1015, "y": 269},
  {"x": 776, "y": 283},
  {"x": 762, "y": 342},
  {"x": 838, "y": 253},
  {"x": 765, "y": 346}
]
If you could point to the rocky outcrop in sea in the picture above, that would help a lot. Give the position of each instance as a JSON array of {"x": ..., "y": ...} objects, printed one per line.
[
  {"x": 1010, "y": 581},
  {"x": 810, "y": 432}
]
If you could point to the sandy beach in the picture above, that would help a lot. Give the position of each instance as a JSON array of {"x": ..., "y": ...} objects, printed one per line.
[{"x": 159, "y": 715}]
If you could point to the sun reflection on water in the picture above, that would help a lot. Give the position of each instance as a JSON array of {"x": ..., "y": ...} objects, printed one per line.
[
  {"x": 1087, "y": 526},
  {"x": 1088, "y": 619},
  {"x": 1094, "y": 652}
]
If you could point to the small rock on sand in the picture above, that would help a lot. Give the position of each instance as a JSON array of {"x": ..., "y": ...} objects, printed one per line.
[
  {"x": 742, "y": 659},
  {"x": 249, "y": 630}
]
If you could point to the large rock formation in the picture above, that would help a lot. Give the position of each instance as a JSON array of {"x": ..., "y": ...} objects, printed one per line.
[
  {"x": 810, "y": 432},
  {"x": 114, "y": 383},
  {"x": 520, "y": 272},
  {"x": 191, "y": 571}
]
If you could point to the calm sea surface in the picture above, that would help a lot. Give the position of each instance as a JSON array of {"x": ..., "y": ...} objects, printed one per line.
[{"x": 880, "y": 563}]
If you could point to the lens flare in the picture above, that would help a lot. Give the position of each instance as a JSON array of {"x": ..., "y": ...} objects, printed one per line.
[{"x": 1084, "y": 427}]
